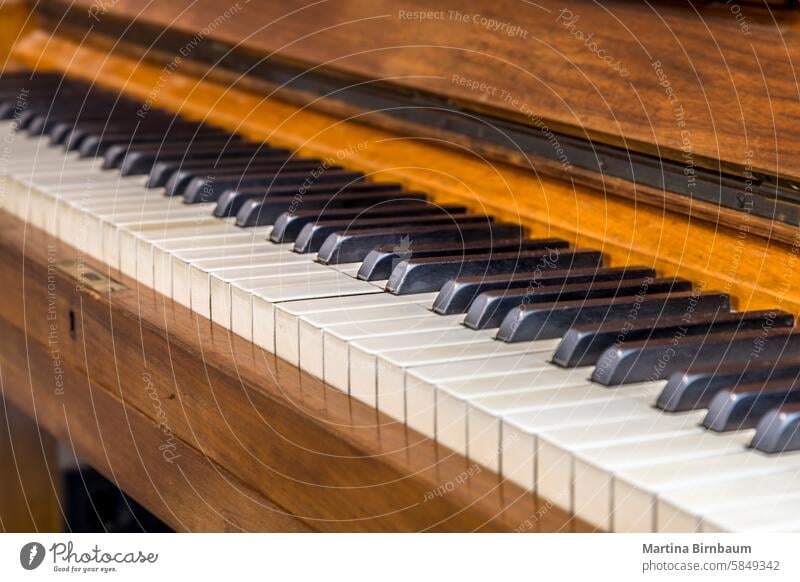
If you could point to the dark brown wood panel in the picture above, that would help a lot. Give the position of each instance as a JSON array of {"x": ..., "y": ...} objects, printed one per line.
[
  {"x": 329, "y": 462},
  {"x": 669, "y": 78}
]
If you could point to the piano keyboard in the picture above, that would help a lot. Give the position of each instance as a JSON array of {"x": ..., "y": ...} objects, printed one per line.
[{"x": 638, "y": 402}]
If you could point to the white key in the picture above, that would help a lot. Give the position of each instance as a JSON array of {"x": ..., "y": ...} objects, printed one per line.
[
  {"x": 554, "y": 451},
  {"x": 312, "y": 327},
  {"x": 682, "y": 510},
  {"x": 253, "y": 312},
  {"x": 159, "y": 254},
  {"x": 123, "y": 250},
  {"x": 336, "y": 340},
  {"x": 451, "y": 398},
  {"x": 364, "y": 353},
  {"x": 596, "y": 469},
  {"x": 517, "y": 432},
  {"x": 308, "y": 331},
  {"x": 288, "y": 315},
  {"x": 771, "y": 515},
  {"x": 636, "y": 491},
  {"x": 278, "y": 266},
  {"x": 420, "y": 409}
]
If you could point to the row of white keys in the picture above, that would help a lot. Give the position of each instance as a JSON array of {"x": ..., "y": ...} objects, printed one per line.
[
  {"x": 690, "y": 509},
  {"x": 636, "y": 491},
  {"x": 134, "y": 240},
  {"x": 325, "y": 352},
  {"x": 219, "y": 285},
  {"x": 195, "y": 276},
  {"x": 253, "y": 310},
  {"x": 288, "y": 316},
  {"x": 154, "y": 261},
  {"x": 141, "y": 227},
  {"x": 364, "y": 356},
  {"x": 578, "y": 460},
  {"x": 778, "y": 514},
  {"x": 93, "y": 220}
]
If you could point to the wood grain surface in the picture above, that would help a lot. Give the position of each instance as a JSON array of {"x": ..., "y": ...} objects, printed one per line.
[
  {"x": 672, "y": 78},
  {"x": 760, "y": 273},
  {"x": 31, "y": 482},
  {"x": 210, "y": 433}
]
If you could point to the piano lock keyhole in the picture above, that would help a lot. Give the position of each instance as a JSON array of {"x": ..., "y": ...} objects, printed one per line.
[{"x": 72, "y": 323}]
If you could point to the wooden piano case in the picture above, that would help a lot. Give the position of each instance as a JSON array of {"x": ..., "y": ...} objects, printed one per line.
[{"x": 211, "y": 433}]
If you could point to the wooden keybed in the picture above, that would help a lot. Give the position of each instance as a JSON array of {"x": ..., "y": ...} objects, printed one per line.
[{"x": 305, "y": 456}]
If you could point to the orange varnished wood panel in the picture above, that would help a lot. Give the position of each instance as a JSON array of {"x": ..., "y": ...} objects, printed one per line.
[
  {"x": 759, "y": 272},
  {"x": 726, "y": 84},
  {"x": 15, "y": 21}
]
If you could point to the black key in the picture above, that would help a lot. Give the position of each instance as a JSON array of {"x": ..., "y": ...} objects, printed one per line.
[
  {"x": 97, "y": 144},
  {"x": 465, "y": 230},
  {"x": 742, "y": 406},
  {"x": 352, "y": 246},
  {"x": 380, "y": 262},
  {"x": 179, "y": 182},
  {"x": 163, "y": 171},
  {"x": 254, "y": 208},
  {"x": 205, "y": 190},
  {"x": 42, "y": 123},
  {"x": 490, "y": 308},
  {"x": 425, "y": 275},
  {"x": 289, "y": 224},
  {"x": 142, "y": 159},
  {"x": 312, "y": 237},
  {"x": 657, "y": 359},
  {"x": 530, "y": 322},
  {"x": 778, "y": 431},
  {"x": 458, "y": 294},
  {"x": 694, "y": 388},
  {"x": 582, "y": 345},
  {"x": 71, "y": 133}
]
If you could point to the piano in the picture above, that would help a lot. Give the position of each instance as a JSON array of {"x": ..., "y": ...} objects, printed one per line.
[{"x": 280, "y": 266}]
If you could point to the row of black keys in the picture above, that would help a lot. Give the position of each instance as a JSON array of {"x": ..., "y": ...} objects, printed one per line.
[{"x": 739, "y": 365}]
